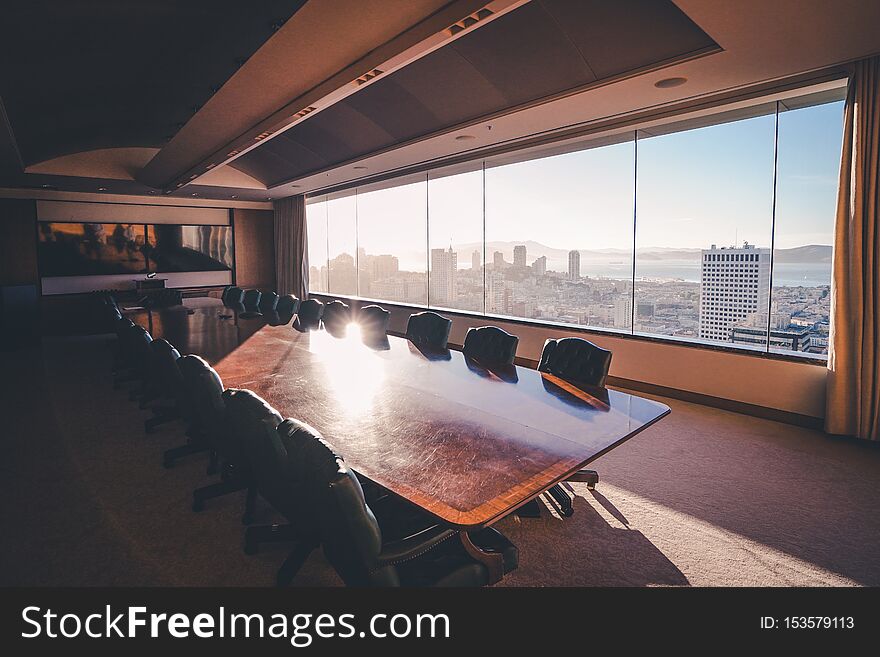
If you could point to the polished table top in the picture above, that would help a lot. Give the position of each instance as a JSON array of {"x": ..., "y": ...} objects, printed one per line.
[{"x": 465, "y": 442}]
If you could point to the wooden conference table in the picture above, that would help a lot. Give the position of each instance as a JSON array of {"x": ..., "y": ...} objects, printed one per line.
[{"x": 467, "y": 443}]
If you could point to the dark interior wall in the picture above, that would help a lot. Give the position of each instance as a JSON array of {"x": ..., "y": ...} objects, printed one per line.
[
  {"x": 254, "y": 248},
  {"x": 18, "y": 242}
]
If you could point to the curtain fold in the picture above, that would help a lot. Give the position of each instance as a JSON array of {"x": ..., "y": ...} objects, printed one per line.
[
  {"x": 853, "y": 396},
  {"x": 291, "y": 247}
]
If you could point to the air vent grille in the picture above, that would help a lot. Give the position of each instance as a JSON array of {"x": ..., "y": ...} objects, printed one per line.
[
  {"x": 366, "y": 77},
  {"x": 466, "y": 22},
  {"x": 262, "y": 136},
  {"x": 303, "y": 112}
]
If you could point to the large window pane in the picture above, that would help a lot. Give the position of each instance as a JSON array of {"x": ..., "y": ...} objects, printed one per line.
[
  {"x": 559, "y": 234},
  {"x": 455, "y": 221},
  {"x": 808, "y": 163},
  {"x": 342, "y": 244},
  {"x": 316, "y": 226},
  {"x": 704, "y": 216},
  {"x": 392, "y": 242}
]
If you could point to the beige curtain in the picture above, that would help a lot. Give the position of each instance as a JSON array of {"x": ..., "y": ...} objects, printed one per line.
[
  {"x": 291, "y": 247},
  {"x": 853, "y": 394}
]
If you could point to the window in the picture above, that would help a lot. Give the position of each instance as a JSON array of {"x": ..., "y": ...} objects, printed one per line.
[
  {"x": 559, "y": 237},
  {"x": 316, "y": 227},
  {"x": 392, "y": 241},
  {"x": 806, "y": 197},
  {"x": 675, "y": 230},
  {"x": 455, "y": 211},
  {"x": 342, "y": 244}
]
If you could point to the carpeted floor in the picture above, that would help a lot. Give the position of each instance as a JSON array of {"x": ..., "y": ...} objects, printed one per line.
[{"x": 703, "y": 498}]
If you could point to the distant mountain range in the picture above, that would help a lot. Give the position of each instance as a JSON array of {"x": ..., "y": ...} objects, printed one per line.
[{"x": 813, "y": 253}]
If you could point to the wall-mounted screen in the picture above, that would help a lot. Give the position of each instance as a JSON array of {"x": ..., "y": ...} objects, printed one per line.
[
  {"x": 176, "y": 248},
  {"x": 88, "y": 249}
]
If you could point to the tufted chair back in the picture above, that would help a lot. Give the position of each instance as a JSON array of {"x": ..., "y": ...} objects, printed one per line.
[
  {"x": 251, "y": 300},
  {"x": 248, "y": 416},
  {"x": 429, "y": 328},
  {"x": 268, "y": 302},
  {"x": 232, "y": 296},
  {"x": 337, "y": 316},
  {"x": 136, "y": 341},
  {"x": 350, "y": 534},
  {"x": 490, "y": 345},
  {"x": 309, "y": 313},
  {"x": 374, "y": 321},
  {"x": 577, "y": 360},
  {"x": 166, "y": 374},
  {"x": 204, "y": 390},
  {"x": 287, "y": 305}
]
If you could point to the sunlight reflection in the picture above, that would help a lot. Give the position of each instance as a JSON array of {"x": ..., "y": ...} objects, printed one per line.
[{"x": 352, "y": 370}]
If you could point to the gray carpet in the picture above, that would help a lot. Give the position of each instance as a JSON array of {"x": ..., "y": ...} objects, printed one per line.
[{"x": 703, "y": 498}]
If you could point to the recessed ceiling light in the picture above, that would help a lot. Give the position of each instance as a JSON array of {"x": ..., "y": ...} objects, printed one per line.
[
  {"x": 234, "y": 196},
  {"x": 195, "y": 193},
  {"x": 44, "y": 186},
  {"x": 102, "y": 189},
  {"x": 668, "y": 83},
  {"x": 464, "y": 137}
]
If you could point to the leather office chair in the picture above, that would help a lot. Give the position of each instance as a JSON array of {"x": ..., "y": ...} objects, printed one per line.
[
  {"x": 287, "y": 305},
  {"x": 357, "y": 544},
  {"x": 308, "y": 316},
  {"x": 490, "y": 345},
  {"x": 428, "y": 328},
  {"x": 373, "y": 321},
  {"x": 337, "y": 316},
  {"x": 246, "y": 413},
  {"x": 160, "y": 386},
  {"x": 232, "y": 296},
  {"x": 251, "y": 300},
  {"x": 204, "y": 393},
  {"x": 135, "y": 350},
  {"x": 268, "y": 302},
  {"x": 280, "y": 463},
  {"x": 578, "y": 361}
]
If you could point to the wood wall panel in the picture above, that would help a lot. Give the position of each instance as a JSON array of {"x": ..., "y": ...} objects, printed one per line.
[
  {"x": 18, "y": 242},
  {"x": 254, "y": 249}
]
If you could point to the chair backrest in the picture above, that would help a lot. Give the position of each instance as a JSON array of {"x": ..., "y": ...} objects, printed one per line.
[
  {"x": 287, "y": 305},
  {"x": 373, "y": 320},
  {"x": 136, "y": 341},
  {"x": 350, "y": 535},
  {"x": 281, "y": 470},
  {"x": 429, "y": 328},
  {"x": 337, "y": 316},
  {"x": 251, "y": 299},
  {"x": 577, "y": 360},
  {"x": 309, "y": 314},
  {"x": 232, "y": 296},
  {"x": 268, "y": 302},
  {"x": 167, "y": 378},
  {"x": 491, "y": 345},
  {"x": 248, "y": 416},
  {"x": 204, "y": 391}
]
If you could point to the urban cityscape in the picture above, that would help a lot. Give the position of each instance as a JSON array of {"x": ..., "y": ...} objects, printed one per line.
[{"x": 720, "y": 294}]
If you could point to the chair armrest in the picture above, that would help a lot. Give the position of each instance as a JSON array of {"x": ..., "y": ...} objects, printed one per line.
[{"x": 413, "y": 546}]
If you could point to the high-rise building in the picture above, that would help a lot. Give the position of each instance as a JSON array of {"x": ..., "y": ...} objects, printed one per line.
[
  {"x": 498, "y": 260},
  {"x": 497, "y": 295},
  {"x": 475, "y": 260},
  {"x": 574, "y": 265},
  {"x": 623, "y": 309},
  {"x": 444, "y": 269},
  {"x": 519, "y": 256},
  {"x": 382, "y": 266},
  {"x": 734, "y": 283},
  {"x": 539, "y": 266}
]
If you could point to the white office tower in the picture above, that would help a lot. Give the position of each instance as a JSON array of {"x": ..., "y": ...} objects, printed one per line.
[
  {"x": 519, "y": 256},
  {"x": 539, "y": 266},
  {"x": 623, "y": 310},
  {"x": 444, "y": 269},
  {"x": 734, "y": 283},
  {"x": 497, "y": 295},
  {"x": 574, "y": 265},
  {"x": 475, "y": 261}
]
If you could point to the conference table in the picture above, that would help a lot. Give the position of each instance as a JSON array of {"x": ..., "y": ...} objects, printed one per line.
[{"x": 467, "y": 442}]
